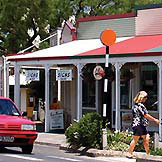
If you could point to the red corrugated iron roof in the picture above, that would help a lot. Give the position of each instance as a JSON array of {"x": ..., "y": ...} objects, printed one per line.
[{"x": 139, "y": 44}]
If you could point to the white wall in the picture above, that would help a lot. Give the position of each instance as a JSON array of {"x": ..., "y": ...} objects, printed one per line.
[
  {"x": 149, "y": 21},
  {"x": 23, "y": 99}
]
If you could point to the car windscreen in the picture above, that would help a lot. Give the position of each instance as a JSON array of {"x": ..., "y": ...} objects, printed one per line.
[{"x": 8, "y": 108}]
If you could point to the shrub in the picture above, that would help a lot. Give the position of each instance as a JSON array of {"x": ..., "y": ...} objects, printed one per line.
[
  {"x": 90, "y": 130},
  {"x": 71, "y": 134},
  {"x": 87, "y": 132},
  {"x": 118, "y": 141},
  {"x": 157, "y": 151}
]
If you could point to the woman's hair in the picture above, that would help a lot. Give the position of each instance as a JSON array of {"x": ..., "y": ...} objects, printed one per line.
[{"x": 139, "y": 97}]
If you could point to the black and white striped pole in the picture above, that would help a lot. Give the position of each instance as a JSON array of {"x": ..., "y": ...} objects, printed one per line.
[{"x": 108, "y": 38}]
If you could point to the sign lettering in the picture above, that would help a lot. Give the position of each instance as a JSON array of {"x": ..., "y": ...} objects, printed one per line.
[
  {"x": 32, "y": 75},
  {"x": 64, "y": 75}
]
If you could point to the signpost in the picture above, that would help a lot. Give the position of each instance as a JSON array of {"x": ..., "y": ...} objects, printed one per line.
[{"x": 108, "y": 38}]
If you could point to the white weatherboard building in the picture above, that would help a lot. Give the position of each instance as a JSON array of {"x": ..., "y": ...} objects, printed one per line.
[{"x": 135, "y": 58}]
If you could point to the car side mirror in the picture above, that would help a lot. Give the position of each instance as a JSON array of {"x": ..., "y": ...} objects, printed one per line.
[{"x": 24, "y": 113}]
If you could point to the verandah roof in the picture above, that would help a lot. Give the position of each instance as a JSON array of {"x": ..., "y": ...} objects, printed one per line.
[
  {"x": 93, "y": 47},
  {"x": 136, "y": 45}
]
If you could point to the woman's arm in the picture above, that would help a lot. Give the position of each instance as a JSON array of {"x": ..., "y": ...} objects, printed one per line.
[{"x": 149, "y": 117}]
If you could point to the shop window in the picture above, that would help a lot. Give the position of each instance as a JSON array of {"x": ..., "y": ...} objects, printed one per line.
[
  {"x": 148, "y": 83},
  {"x": 85, "y": 111},
  {"x": 88, "y": 94},
  {"x": 125, "y": 94},
  {"x": 126, "y": 88}
]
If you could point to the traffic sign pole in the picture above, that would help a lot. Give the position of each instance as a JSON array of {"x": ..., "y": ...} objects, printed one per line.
[
  {"x": 108, "y": 38},
  {"x": 104, "y": 130},
  {"x": 105, "y": 87}
]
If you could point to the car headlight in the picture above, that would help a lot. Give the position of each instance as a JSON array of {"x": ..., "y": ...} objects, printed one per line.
[{"x": 28, "y": 127}]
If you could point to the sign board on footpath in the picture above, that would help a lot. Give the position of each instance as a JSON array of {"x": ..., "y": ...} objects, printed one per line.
[{"x": 56, "y": 119}]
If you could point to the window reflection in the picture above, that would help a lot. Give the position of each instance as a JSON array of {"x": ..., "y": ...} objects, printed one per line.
[
  {"x": 88, "y": 94},
  {"x": 125, "y": 87},
  {"x": 149, "y": 84},
  {"x": 8, "y": 108},
  {"x": 124, "y": 100},
  {"x": 147, "y": 81}
]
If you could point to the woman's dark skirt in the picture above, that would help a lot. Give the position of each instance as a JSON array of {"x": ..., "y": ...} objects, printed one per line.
[{"x": 139, "y": 130}]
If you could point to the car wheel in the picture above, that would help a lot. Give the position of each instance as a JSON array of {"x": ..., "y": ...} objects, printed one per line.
[{"x": 27, "y": 149}]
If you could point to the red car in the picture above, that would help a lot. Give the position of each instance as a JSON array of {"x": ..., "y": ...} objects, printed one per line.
[{"x": 15, "y": 130}]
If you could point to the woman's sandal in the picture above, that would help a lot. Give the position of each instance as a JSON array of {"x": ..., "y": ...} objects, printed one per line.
[{"x": 130, "y": 156}]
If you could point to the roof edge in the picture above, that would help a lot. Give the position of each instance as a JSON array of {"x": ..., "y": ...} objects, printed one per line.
[
  {"x": 95, "y": 18},
  {"x": 70, "y": 26},
  {"x": 89, "y": 56},
  {"x": 149, "y": 6}
]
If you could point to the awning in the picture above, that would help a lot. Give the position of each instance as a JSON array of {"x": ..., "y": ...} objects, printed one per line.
[
  {"x": 74, "y": 48},
  {"x": 92, "y": 47},
  {"x": 140, "y": 44}
]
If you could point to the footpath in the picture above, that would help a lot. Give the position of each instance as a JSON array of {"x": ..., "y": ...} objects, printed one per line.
[{"x": 59, "y": 140}]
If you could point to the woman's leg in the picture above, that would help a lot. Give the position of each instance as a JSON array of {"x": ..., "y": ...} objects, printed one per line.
[
  {"x": 133, "y": 144},
  {"x": 146, "y": 139}
]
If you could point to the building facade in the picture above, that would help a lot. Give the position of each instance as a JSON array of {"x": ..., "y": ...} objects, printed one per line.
[{"x": 137, "y": 54}]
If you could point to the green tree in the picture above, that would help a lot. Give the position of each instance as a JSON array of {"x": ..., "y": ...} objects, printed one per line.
[
  {"x": 83, "y": 8},
  {"x": 60, "y": 11},
  {"x": 127, "y": 6},
  {"x": 17, "y": 18}
]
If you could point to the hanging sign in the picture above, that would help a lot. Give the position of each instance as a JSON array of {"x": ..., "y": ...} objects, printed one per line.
[
  {"x": 98, "y": 72},
  {"x": 64, "y": 75},
  {"x": 32, "y": 75}
]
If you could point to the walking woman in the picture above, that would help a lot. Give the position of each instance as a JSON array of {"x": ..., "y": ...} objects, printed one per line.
[{"x": 140, "y": 122}]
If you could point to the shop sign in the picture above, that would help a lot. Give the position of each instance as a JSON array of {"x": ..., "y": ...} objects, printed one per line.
[
  {"x": 32, "y": 75},
  {"x": 56, "y": 119},
  {"x": 64, "y": 75}
]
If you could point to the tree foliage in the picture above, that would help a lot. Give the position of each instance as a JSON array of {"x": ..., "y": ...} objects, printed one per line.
[
  {"x": 83, "y": 8},
  {"x": 18, "y": 17}
]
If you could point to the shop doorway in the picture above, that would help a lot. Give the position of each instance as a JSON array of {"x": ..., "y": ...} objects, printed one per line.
[{"x": 93, "y": 92}]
